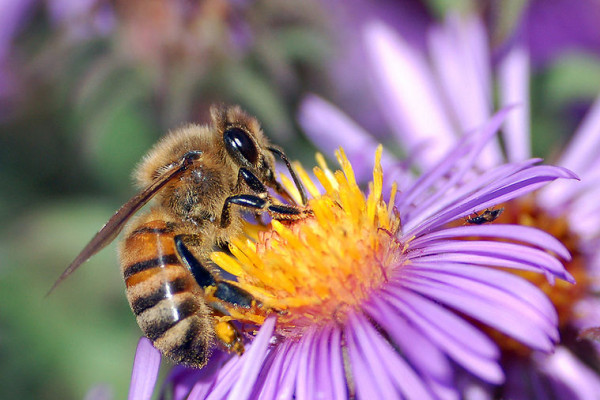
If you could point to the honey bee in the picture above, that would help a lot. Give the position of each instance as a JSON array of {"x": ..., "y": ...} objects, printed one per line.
[
  {"x": 486, "y": 216},
  {"x": 201, "y": 178}
]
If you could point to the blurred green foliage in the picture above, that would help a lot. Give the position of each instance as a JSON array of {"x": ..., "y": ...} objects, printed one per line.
[
  {"x": 86, "y": 110},
  {"x": 561, "y": 94}
]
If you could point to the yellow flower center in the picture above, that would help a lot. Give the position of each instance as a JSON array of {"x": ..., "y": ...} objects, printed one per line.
[{"x": 314, "y": 271}]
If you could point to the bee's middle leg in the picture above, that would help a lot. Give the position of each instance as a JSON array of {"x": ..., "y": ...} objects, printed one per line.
[
  {"x": 226, "y": 332},
  {"x": 223, "y": 290}
]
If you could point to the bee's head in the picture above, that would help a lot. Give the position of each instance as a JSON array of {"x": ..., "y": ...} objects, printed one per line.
[{"x": 245, "y": 142}]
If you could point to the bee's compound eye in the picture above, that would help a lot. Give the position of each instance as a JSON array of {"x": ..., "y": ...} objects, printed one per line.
[{"x": 238, "y": 141}]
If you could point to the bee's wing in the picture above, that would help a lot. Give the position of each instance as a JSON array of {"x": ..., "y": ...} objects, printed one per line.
[{"x": 114, "y": 225}]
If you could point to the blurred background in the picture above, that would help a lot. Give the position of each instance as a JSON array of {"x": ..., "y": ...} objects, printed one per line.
[{"x": 87, "y": 86}]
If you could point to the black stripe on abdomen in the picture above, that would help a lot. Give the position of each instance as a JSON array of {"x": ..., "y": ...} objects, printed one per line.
[
  {"x": 148, "y": 264},
  {"x": 166, "y": 314},
  {"x": 143, "y": 303}
]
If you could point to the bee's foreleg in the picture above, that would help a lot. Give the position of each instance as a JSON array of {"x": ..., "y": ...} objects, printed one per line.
[
  {"x": 276, "y": 211},
  {"x": 252, "y": 181}
]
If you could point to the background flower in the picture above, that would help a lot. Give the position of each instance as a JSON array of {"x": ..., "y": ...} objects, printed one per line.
[{"x": 429, "y": 105}]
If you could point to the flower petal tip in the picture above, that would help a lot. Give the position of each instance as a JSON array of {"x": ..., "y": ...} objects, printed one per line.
[
  {"x": 145, "y": 370},
  {"x": 569, "y": 278},
  {"x": 568, "y": 174}
]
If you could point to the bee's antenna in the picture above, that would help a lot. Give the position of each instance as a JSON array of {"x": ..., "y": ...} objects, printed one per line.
[{"x": 297, "y": 182}]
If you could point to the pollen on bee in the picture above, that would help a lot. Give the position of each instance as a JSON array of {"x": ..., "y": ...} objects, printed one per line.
[{"x": 225, "y": 332}]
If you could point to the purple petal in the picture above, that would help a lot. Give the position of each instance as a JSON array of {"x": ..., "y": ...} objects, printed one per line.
[
  {"x": 282, "y": 354},
  {"x": 419, "y": 351},
  {"x": 525, "y": 234},
  {"x": 584, "y": 214},
  {"x": 583, "y": 149},
  {"x": 581, "y": 154},
  {"x": 588, "y": 316},
  {"x": 506, "y": 189},
  {"x": 180, "y": 382},
  {"x": 322, "y": 368},
  {"x": 460, "y": 54},
  {"x": 379, "y": 351},
  {"x": 456, "y": 195},
  {"x": 444, "y": 391},
  {"x": 462, "y": 342},
  {"x": 336, "y": 363},
  {"x": 503, "y": 314},
  {"x": 408, "y": 95},
  {"x": 479, "y": 260},
  {"x": 505, "y": 251},
  {"x": 318, "y": 380},
  {"x": 227, "y": 376},
  {"x": 185, "y": 379},
  {"x": 426, "y": 181},
  {"x": 325, "y": 125},
  {"x": 305, "y": 384},
  {"x": 493, "y": 286},
  {"x": 512, "y": 186},
  {"x": 457, "y": 329},
  {"x": 564, "y": 368},
  {"x": 470, "y": 148},
  {"x": 251, "y": 359},
  {"x": 145, "y": 370},
  {"x": 267, "y": 371},
  {"x": 511, "y": 283},
  {"x": 513, "y": 76},
  {"x": 314, "y": 379},
  {"x": 287, "y": 386},
  {"x": 369, "y": 375}
]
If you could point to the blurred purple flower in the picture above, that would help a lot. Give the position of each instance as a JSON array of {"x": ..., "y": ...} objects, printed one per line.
[
  {"x": 376, "y": 294},
  {"x": 82, "y": 19},
  {"x": 556, "y": 27},
  {"x": 75, "y": 20},
  {"x": 347, "y": 20},
  {"x": 430, "y": 100},
  {"x": 13, "y": 16},
  {"x": 551, "y": 29}
]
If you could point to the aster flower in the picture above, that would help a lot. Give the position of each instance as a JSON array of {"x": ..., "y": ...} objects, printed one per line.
[
  {"x": 377, "y": 296},
  {"x": 429, "y": 106}
]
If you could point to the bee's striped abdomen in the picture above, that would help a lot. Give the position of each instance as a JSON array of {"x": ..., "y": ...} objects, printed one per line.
[{"x": 164, "y": 295}]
